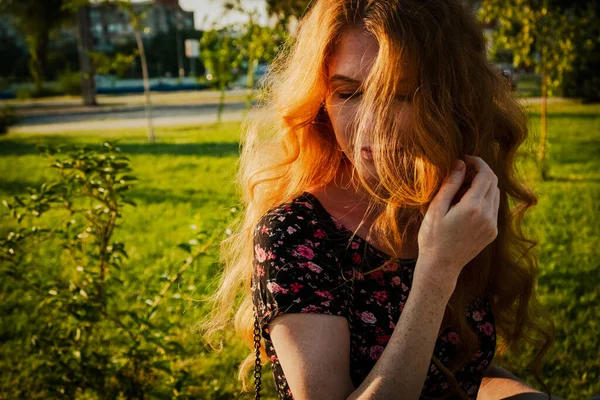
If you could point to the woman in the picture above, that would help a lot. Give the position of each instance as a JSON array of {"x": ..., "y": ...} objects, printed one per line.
[{"x": 368, "y": 264}]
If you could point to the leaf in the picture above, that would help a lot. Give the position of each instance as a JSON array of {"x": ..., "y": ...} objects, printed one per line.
[{"x": 185, "y": 246}]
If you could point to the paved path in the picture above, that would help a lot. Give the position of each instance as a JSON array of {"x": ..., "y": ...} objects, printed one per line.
[{"x": 117, "y": 112}]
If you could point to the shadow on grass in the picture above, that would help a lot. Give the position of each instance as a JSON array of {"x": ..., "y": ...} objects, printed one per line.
[
  {"x": 143, "y": 195},
  {"x": 196, "y": 198},
  {"x": 213, "y": 149}
]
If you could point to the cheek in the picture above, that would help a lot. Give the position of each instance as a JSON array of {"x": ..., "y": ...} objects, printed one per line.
[{"x": 340, "y": 117}]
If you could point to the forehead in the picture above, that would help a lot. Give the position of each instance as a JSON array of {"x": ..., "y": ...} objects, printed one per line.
[{"x": 354, "y": 53}]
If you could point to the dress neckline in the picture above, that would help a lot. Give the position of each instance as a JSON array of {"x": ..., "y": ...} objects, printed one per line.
[{"x": 317, "y": 203}]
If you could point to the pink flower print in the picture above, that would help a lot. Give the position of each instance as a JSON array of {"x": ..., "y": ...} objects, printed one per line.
[
  {"x": 404, "y": 287},
  {"x": 314, "y": 267},
  {"x": 319, "y": 234},
  {"x": 356, "y": 258},
  {"x": 477, "y": 316},
  {"x": 275, "y": 288},
  {"x": 273, "y": 358},
  {"x": 478, "y": 354},
  {"x": 383, "y": 339},
  {"x": 261, "y": 256},
  {"x": 270, "y": 255},
  {"x": 486, "y": 328},
  {"x": 264, "y": 229},
  {"x": 324, "y": 293},
  {"x": 396, "y": 281},
  {"x": 391, "y": 266},
  {"x": 376, "y": 352},
  {"x": 401, "y": 307},
  {"x": 296, "y": 287},
  {"x": 381, "y": 296},
  {"x": 355, "y": 245},
  {"x": 311, "y": 308},
  {"x": 377, "y": 274},
  {"x": 367, "y": 317},
  {"x": 304, "y": 251},
  {"x": 290, "y": 230},
  {"x": 282, "y": 218},
  {"x": 392, "y": 325},
  {"x": 453, "y": 337}
]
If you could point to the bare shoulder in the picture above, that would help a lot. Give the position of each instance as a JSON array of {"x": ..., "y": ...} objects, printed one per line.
[{"x": 314, "y": 353}]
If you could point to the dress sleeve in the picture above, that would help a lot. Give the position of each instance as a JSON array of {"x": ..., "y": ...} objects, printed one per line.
[{"x": 293, "y": 269}]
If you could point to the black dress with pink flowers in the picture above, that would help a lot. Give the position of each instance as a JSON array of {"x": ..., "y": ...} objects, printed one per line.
[{"x": 303, "y": 259}]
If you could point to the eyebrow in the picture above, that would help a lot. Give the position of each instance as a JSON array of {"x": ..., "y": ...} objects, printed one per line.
[{"x": 347, "y": 79}]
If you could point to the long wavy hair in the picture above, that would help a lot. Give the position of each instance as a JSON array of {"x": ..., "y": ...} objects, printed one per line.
[{"x": 461, "y": 104}]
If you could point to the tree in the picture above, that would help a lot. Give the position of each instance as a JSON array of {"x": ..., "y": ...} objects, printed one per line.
[
  {"x": 37, "y": 20},
  {"x": 286, "y": 10},
  {"x": 221, "y": 56},
  {"x": 256, "y": 44},
  {"x": 136, "y": 22},
  {"x": 84, "y": 46},
  {"x": 539, "y": 34}
]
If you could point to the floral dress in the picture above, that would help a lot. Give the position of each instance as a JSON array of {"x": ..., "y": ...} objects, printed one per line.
[{"x": 303, "y": 259}]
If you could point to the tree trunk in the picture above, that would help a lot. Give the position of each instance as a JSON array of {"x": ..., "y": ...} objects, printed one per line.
[
  {"x": 140, "y": 44},
  {"x": 88, "y": 83},
  {"x": 221, "y": 103},
  {"x": 252, "y": 63},
  {"x": 38, "y": 48}
]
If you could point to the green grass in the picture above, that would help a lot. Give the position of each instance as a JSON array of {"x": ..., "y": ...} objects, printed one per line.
[{"x": 186, "y": 178}]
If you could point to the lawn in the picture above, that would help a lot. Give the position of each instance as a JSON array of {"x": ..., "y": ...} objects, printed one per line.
[{"x": 186, "y": 183}]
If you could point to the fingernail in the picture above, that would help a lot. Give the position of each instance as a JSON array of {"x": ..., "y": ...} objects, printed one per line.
[{"x": 459, "y": 165}]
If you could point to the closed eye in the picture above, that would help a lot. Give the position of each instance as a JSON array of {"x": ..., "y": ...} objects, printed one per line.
[
  {"x": 348, "y": 95},
  {"x": 406, "y": 98}
]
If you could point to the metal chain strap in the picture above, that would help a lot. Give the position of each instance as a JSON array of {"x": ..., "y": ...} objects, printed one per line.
[
  {"x": 351, "y": 304},
  {"x": 257, "y": 364}
]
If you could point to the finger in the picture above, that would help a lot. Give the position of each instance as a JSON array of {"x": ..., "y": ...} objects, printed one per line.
[
  {"x": 484, "y": 178},
  {"x": 490, "y": 202},
  {"x": 450, "y": 187},
  {"x": 496, "y": 205}
]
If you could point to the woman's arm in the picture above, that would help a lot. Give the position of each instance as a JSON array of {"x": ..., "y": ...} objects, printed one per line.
[
  {"x": 401, "y": 370},
  {"x": 498, "y": 383},
  {"x": 313, "y": 349}
]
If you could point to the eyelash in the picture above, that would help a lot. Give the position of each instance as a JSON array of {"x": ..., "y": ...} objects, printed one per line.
[{"x": 346, "y": 96}]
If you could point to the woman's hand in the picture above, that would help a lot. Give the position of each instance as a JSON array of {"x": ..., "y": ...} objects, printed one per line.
[{"x": 454, "y": 232}]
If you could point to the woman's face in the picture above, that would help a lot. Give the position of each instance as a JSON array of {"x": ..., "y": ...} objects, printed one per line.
[{"x": 349, "y": 66}]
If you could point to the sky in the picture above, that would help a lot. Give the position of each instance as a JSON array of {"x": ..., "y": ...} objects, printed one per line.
[{"x": 213, "y": 11}]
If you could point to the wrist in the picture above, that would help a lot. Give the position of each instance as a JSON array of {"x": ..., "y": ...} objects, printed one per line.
[{"x": 428, "y": 276}]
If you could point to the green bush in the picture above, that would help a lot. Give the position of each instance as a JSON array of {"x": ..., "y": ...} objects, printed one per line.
[
  {"x": 33, "y": 93},
  {"x": 77, "y": 327},
  {"x": 70, "y": 82}
]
